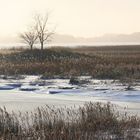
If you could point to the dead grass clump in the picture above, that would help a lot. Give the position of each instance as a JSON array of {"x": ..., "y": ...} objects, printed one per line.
[
  {"x": 77, "y": 81},
  {"x": 92, "y": 121}
]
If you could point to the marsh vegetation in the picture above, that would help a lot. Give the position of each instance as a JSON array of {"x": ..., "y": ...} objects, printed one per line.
[
  {"x": 115, "y": 62},
  {"x": 89, "y": 122}
]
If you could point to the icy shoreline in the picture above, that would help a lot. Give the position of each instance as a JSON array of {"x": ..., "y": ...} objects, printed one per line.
[{"x": 30, "y": 92}]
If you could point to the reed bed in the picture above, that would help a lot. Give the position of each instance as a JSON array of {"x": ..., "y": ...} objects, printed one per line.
[
  {"x": 93, "y": 121},
  {"x": 99, "y": 62}
]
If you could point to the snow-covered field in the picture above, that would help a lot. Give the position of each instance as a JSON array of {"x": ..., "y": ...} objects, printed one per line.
[{"x": 26, "y": 94}]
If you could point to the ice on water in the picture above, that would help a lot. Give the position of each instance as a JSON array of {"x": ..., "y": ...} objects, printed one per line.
[{"x": 34, "y": 91}]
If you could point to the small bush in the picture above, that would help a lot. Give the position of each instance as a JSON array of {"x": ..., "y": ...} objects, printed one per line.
[{"x": 78, "y": 81}]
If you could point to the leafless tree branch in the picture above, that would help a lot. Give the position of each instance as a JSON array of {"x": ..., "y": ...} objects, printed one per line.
[
  {"x": 43, "y": 31},
  {"x": 29, "y": 37}
]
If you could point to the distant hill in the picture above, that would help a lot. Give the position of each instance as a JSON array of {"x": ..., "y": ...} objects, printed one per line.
[
  {"x": 66, "y": 39},
  {"x": 135, "y": 37}
]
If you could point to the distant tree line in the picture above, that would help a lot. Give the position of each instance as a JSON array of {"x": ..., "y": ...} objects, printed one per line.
[{"x": 38, "y": 32}]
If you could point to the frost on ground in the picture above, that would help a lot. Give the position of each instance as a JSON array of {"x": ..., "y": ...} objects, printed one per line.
[{"x": 25, "y": 93}]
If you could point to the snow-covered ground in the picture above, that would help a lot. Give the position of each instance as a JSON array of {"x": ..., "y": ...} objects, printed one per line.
[{"x": 31, "y": 92}]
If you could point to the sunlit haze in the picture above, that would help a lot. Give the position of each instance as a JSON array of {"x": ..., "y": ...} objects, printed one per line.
[{"x": 85, "y": 18}]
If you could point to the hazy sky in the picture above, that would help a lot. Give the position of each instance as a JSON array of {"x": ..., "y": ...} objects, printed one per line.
[{"x": 84, "y": 18}]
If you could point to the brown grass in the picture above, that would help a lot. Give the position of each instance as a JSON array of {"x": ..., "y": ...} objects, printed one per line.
[
  {"x": 99, "y": 62},
  {"x": 93, "y": 121}
]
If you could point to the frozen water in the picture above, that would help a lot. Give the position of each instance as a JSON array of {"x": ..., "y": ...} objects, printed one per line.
[
  {"x": 30, "y": 92},
  {"x": 5, "y": 87}
]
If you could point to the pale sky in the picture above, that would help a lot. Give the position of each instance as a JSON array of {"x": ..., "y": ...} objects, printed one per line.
[{"x": 85, "y": 18}]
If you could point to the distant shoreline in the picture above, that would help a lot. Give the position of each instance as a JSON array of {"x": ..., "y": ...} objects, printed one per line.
[{"x": 71, "y": 45}]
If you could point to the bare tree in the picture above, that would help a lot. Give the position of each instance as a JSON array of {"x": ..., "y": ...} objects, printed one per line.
[
  {"x": 29, "y": 37},
  {"x": 43, "y": 31}
]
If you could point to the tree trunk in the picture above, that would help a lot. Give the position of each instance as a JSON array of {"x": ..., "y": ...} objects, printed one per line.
[
  {"x": 42, "y": 45},
  {"x": 31, "y": 47}
]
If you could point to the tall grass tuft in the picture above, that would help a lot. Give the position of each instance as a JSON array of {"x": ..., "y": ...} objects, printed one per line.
[{"x": 93, "y": 121}]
